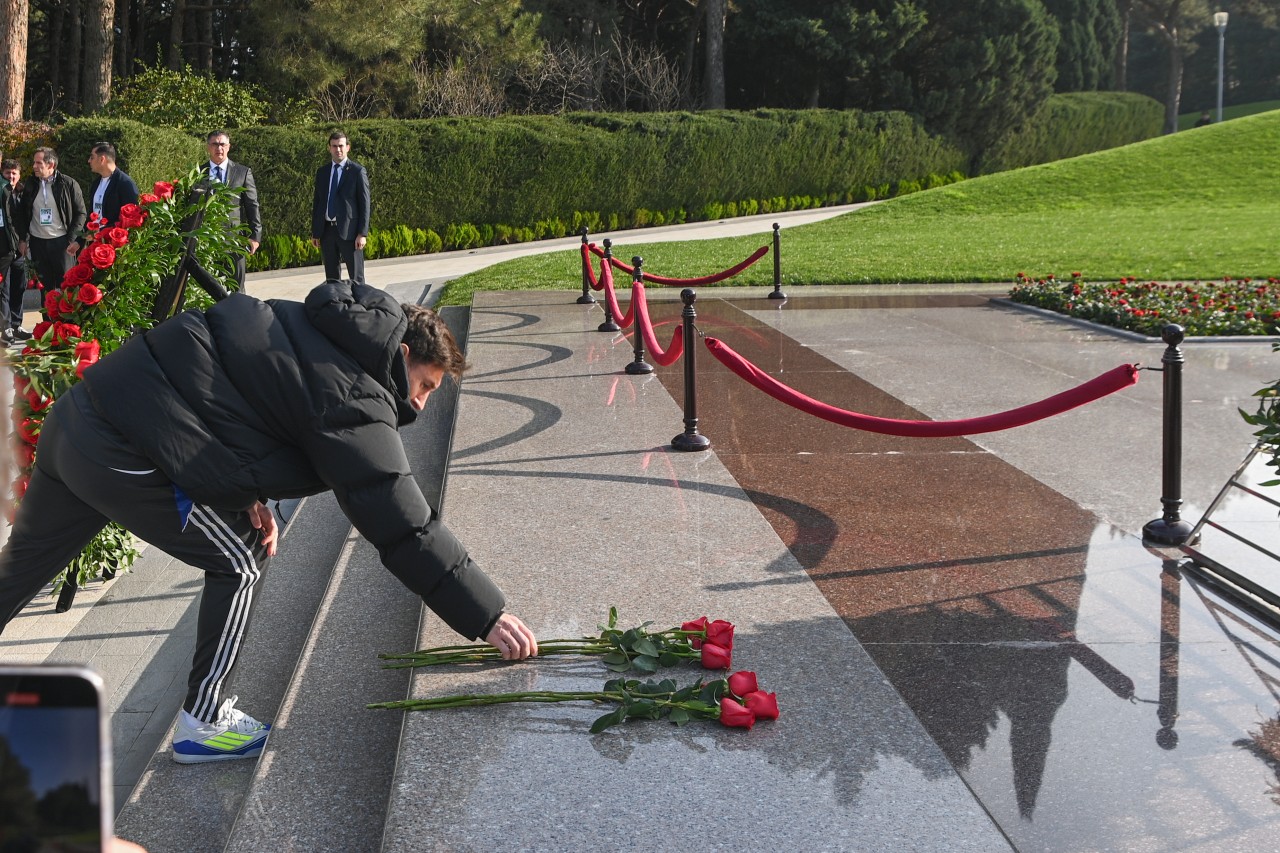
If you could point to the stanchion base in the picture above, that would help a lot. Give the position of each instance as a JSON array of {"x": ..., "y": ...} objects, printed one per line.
[
  {"x": 609, "y": 326},
  {"x": 691, "y": 441},
  {"x": 777, "y": 294},
  {"x": 586, "y": 299},
  {"x": 639, "y": 368},
  {"x": 1162, "y": 532},
  {"x": 66, "y": 598}
]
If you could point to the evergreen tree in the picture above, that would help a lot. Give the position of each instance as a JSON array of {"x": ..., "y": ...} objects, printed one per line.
[{"x": 1089, "y": 32}]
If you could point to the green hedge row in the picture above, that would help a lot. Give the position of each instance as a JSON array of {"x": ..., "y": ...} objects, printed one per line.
[
  {"x": 1077, "y": 123},
  {"x": 462, "y": 183}
]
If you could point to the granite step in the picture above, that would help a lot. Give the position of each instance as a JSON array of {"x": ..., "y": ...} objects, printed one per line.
[
  {"x": 191, "y": 808},
  {"x": 323, "y": 782}
]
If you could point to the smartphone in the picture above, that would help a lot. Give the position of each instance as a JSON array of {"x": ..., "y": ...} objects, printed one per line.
[{"x": 55, "y": 760}]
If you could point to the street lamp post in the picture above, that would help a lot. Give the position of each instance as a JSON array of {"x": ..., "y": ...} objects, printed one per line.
[{"x": 1220, "y": 21}]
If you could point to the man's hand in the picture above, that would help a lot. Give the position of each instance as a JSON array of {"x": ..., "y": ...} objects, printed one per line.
[
  {"x": 73, "y": 247},
  {"x": 315, "y": 241},
  {"x": 253, "y": 246},
  {"x": 360, "y": 241},
  {"x": 511, "y": 637},
  {"x": 264, "y": 519},
  {"x": 22, "y": 248}
]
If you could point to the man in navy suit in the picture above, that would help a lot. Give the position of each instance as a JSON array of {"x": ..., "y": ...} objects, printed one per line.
[
  {"x": 340, "y": 211},
  {"x": 221, "y": 170},
  {"x": 112, "y": 189}
]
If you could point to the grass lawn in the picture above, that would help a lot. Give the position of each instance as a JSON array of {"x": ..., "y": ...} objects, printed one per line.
[{"x": 1196, "y": 205}]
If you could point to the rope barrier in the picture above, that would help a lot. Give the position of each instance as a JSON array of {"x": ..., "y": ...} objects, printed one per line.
[
  {"x": 623, "y": 320},
  {"x": 684, "y": 282},
  {"x": 670, "y": 354},
  {"x": 1113, "y": 380},
  {"x": 592, "y": 279}
]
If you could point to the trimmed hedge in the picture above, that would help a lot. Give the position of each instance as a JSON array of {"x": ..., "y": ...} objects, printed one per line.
[
  {"x": 1076, "y": 123},
  {"x": 147, "y": 154},
  {"x": 528, "y": 172}
]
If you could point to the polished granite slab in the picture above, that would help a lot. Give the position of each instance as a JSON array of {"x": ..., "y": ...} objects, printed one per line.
[
  {"x": 1090, "y": 693},
  {"x": 563, "y": 487}
]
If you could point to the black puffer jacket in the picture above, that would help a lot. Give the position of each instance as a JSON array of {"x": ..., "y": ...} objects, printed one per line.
[{"x": 252, "y": 400}]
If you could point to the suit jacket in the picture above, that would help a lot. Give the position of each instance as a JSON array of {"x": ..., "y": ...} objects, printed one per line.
[
  {"x": 351, "y": 204},
  {"x": 121, "y": 190},
  {"x": 8, "y": 203},
  {"x": 236, "y": 175}
]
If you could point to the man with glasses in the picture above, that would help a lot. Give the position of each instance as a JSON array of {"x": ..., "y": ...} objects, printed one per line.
[
  {"x": 50, "y": 219},
  {"x": 221, "y": 170}
]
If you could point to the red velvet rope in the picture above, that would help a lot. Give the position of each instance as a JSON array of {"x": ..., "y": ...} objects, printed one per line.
[
  {"x": 677, "y": 282},
  {"x": 590, "y": 270},
  {"x": 663, "y": 357},
  {"x": 623, "y": 320},
  {"x": 1111, "y": 381}
]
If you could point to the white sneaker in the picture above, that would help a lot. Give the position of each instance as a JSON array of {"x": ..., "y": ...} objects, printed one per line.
[{"x": 233, "y": 735}]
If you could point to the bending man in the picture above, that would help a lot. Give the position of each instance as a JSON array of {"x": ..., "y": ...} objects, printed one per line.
[{"x": 182, "y": 433}]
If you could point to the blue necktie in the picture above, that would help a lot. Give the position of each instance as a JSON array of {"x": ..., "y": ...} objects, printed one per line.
[
  {"x": 217, "y": 173},
  {"x": 332, "y": 212}
]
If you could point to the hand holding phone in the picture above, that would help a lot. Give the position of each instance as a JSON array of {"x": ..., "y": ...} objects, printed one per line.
[{"x": 55, "y": 759}]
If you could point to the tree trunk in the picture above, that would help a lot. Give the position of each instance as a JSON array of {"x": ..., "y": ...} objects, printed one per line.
[
  {"x": 175, "y": 34},
  {"x": 1173, "y": 94},
  {"x": 99, "y": 47},
  {"x": 122, "y": 58},
  {"x": 205, "y": 26},
  {"x": 713, "y": 73},
  {"x": 71, "y": 59},
  {"x": 1122, "y": 48},
  {"x": 689, "y": 58},
  {"x": 13, "y": 66}
]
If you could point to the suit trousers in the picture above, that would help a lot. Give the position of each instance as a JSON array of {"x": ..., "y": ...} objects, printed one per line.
[
  {"x": 73, "y": 494},
  {"x": 51, "y": 259},
  {"x": 335, "y": 251}
]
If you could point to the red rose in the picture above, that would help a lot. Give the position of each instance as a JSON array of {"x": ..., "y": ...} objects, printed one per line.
[
  {"x": 720, "y": 632},
  {"x": 39, "y": 331},
  {"x": 80, "y": 274},
  {"x": 716, "y": 656},
  {"x": 88, "y": 351},
  {"x": 116, "y": 236},
  {"x": 82, "y": 366},
  {"x": 51, "y": 300},
  {"x": 64, "y": 332},
  {"x": 743, "y": 683},
  {"x": 20, "y": 384},
  {"x": 101, "y": 255},
  {"x": 20, "y": 486},
  {"x": 699, "y": 624},
  {"x": 163, "y": 189},
  {"x": 148, "y": 198},
  {"x": 36, "y": 402},
  {"x": 29, "y": 430},
  {"x": 26, "y": 455},
  {"x": 90, "y": 294},
  {"x": 94, "y": 222},
  {"x": 735, "y": 715},
  {"x": 763, "y": 705},
  {"x": 131, "y": 216},
  {"x": 65, "y": 305}
]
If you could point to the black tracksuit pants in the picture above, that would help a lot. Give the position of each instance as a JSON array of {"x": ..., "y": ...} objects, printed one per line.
[{"x": 85, "y": 477}]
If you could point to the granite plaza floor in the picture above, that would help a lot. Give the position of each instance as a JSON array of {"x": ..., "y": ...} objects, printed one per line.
[{"x": 971, "y": 648}]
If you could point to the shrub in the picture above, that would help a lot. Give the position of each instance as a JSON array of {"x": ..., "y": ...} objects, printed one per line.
[{"x": 185, "y": 100}]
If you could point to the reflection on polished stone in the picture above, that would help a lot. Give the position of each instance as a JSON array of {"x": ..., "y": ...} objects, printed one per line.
[{"x": 1093, "y": 696}]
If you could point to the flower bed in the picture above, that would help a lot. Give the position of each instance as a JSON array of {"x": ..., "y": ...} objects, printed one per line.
[{"x": 1227, "y": 307}]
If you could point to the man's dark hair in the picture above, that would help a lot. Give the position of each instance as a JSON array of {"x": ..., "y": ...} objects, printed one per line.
[
  {"x": 105, "y": 148},
  {"x": 430, "y": 341},
  {"x": 337, "y": 134},
  {"x": 10, "y": 164},
  {"x": 50, "y": 156},
  {"x": 214, "y": 134}
]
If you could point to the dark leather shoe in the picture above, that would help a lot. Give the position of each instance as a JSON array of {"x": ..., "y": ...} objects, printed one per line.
[{"x": 21, "y": 334}]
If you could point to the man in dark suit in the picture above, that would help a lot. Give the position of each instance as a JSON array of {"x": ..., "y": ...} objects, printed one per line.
[
  {"x": 340, "y": 211},
  {"x": 235, "y": 175},
  {"x": 14, "y": 286},
  {"x": 50, "y": 218},
  {"x": 112, "y": 189}
]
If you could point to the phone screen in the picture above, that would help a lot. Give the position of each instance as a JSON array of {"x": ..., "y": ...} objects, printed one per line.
[{"x": 54, "y": 768}]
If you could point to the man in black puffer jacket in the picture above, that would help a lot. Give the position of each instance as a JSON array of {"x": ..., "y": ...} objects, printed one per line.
[{"x": 182, "y": 433}]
